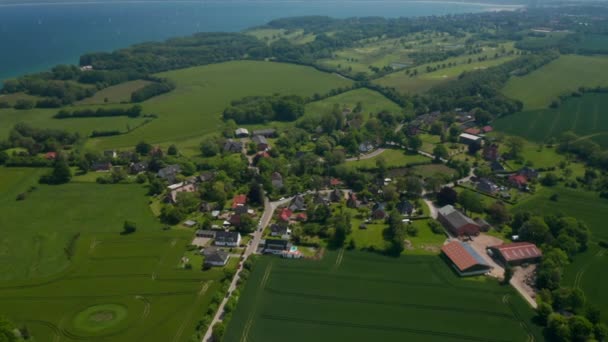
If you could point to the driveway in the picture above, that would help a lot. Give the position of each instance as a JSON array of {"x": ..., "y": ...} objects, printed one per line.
[{"x": 479, "y": 244}]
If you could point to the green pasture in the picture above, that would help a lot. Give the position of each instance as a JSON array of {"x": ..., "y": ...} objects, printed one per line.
[
  {"x": 272, "y": 35},
  {"x": 372, "y": 102},
  {"x": 363, "y": 296},
  {"x": 115, "y": 94},
  {"x": 583, "y": 115},
  {"x": 194, "y": 108},
  {"x": 13, "y": 98},
  {"x": 566, "y": 74},
  {"x": 393, "y": 158},
  {"x": 593, "y": 42}
]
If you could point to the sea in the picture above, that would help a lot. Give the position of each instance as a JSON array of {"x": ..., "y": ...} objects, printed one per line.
[{"x": 37, "y": 36}]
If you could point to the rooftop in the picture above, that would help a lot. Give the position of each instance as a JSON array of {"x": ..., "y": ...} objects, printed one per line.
[
  {"x": 518, "y": 251},
  {"x": 463, "y": 255}
]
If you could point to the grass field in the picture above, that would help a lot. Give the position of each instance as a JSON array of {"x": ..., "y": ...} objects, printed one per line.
[
  {"x": 566, "y": 74},
  {"x": 373, "y": 103},
  {"x": 426, "y": 80},
  {"x": 194, "y": 108},
  {"x": 594, "y": 42},
  {"x": 113, "y": 287},
  {"x": 115, "y": 94},
  {"x": 393, "y": 158},
  {"x": 582, "y": 115},
  {"x": 272, "y": 35},
  {"x": 363, "y": 296}
]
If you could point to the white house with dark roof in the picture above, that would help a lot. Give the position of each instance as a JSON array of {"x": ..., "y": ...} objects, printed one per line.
[{"x": 227, "y": 239}]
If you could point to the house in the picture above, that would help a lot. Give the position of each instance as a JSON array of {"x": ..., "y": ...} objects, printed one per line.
[
  {"x": 334, "y": 182},
  {"x": 210, "y": 234},
  {"x": 259, "y": 156},
  {"x": 490, "y": 152},
  {"x": 137, "y": 168},
  {"x": 50, "y": 156},
  {"x": 528, "y": 172},
  {"x": 405, "y": 207},
  {"x": 518, "y": 181},
  {"x": 456, "y": 222},
  {"x": 232, "y": 146},
  {"x": 189, "y": 223},
  {"x": 266, "y": 132},
  {"x": 215, "y": 257},
  {"x": 273, "y": 246},
  {"x": 261, "y": 142},
  {"x": 235, "y": 220},
  {"x": 516, "y": 253},
  {"x": 336, "y": 195},
  {"x": 469, "y": 139},
  {"x": 483, "y": 224},
  {"x": 487, "y": 129},
  {"x": 175, "y": 189},
  {"x": 285, "y": 214},
  {"x": 297, "y": 203},
  {"x": 366, "y": 147},
  {"x": 239, "y": 200},
  {"x": 241, "y": 133},
  {"x": 279, "y": 230},
  {"x": 319, "y": 199},
  {"x": 302, "y": 217},
  {"x": 352, "y": 201},
  {"x": 110, "y": 154},
  {"x": 277, "y": 180},
  {"x": 101, "y": 167},
  {"x": 379, "y": 211},
  {"x": 465, "y": 260},
  {"x": 241, "y": 209},
  {"x": 487, "y": 186},
  {"x": 229, "y": 239},
  {"x": 472, "y": 130},
  {"x": 169, "y": 173},
  {"x": 127, "y": 155}
]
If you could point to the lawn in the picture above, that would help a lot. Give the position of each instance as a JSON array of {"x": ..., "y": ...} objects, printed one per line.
[
  {"x": 372, "y": 102},
  {"x": 583, "y": 115},
  {"x": 363, "y": 296},
  {"x": 194, "y": 108},
  {"x": 393, "y": 159},
  {"x": 98, "y": 285},
  {"x": 566, "y": 74},
  {"x": 115, "y": 94}
]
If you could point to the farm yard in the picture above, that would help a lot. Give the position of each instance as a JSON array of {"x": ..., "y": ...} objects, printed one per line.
[
  {"x": 582, "y": 115},
  {"x": 566, "y": 74},
  {"x": 366, "y": 296},
  {"x": 68, "y": 257},
  {"x": 194, "y": 108}
]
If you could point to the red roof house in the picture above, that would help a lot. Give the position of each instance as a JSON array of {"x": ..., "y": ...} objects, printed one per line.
[
  {"x": 335, "y": 182},
  {"x": 302, "y": 217},
  {"x": 465, "y": 259},
  {"x": 517, "y": 253},
  {"x": 487, "y": 129},
  {"x": 285, "y": 214},
  {"x": 519, "y": 181},
  {"x": 472, "y": 130},
  {"x": 239, "y": 200},
  {"x": 50, "y": 155}
]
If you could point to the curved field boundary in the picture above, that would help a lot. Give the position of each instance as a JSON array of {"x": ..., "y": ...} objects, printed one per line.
[
  {"x": 51, "y": 326},
  {"x": 522, "y": 322},
  {"x": 391, "y": 303},
  {"x": 381, "y": 328},
  {"x": 194, "y": 306}
]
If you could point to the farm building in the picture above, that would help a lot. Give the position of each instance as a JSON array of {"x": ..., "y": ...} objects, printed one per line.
[
  {"x": 464, "y": 259},
  {"x": 456, "y": 222},
  {"x": 205, "y": 233},
  {"x": 136, "y": 168},
  {"x": 518, "y": 181},
  {"x": 215, "y": 257},
  {"x": 241, "y": 132},
  {"x": 266, "y": 132},
  {"x": 232, "y": 146},
  {"x": 516, "y": 253},
  {"x": 260, "y": 142},
  {"x": 230, "y": 239},
  {"x": 469, "y": 139}
]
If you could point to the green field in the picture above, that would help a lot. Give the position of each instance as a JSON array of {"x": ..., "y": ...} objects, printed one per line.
[
  {"x": 566, "y": 74},
  {"x": 103, "y": 286},
  {"x": 194, "y": 108},
  {"x": 393, "y": 158},
  {"x": 362, "y": 296},
  {"x": 115, "y": 94},
  {"x": 272, "y": 35},
  {"x": 373, "y": 103},
  {"x": 582, "y": 115}
]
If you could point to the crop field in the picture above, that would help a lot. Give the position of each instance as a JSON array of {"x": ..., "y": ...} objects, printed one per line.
[
  {"x": 194, "y": 108},
  {"x": 566, "y": 74},
  {"x": 426, "y": 80},
  {"x": 97, "y": 284},
  {"x": 115, "y": 94},
  {"x": 363, "y": 296},
  {"x": 583, "y": 115},
  {"x": 393, "y": 158},
  {"x": 587, "y": 270},
  {"x": 372, "y": 102}
]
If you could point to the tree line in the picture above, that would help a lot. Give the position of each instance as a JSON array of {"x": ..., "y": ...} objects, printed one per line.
[{"x": 131, "y": 112}]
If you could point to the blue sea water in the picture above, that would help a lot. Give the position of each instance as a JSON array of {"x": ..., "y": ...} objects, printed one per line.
[{"x": 34, "y": 37}]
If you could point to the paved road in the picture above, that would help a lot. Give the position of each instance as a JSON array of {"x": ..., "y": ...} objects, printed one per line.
[{"x": 366, "y": 156}]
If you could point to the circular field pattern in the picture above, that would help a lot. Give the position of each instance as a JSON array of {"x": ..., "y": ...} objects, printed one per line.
[{"x": 96, "y": 319}]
